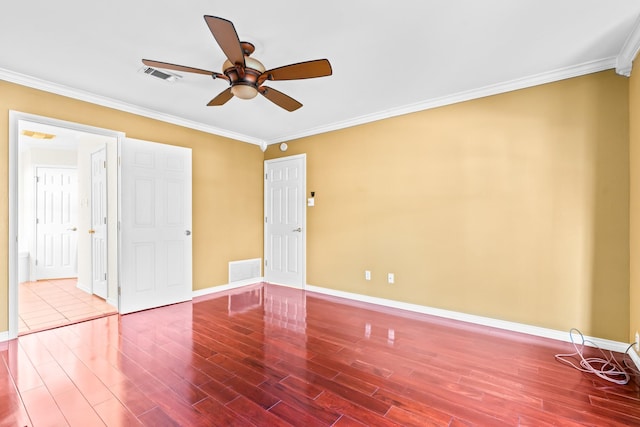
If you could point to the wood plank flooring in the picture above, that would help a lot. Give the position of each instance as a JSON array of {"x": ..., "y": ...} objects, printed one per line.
[{"x": 272, "y": 356}]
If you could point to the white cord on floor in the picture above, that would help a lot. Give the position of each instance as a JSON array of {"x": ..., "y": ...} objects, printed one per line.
[{"x": 606, "y": 367}]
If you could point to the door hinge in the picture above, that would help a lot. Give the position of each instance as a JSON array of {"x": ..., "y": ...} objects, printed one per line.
[
  {"x": 104, "y": 164},
  {"x": 36, "y": 262},
  {"x": 266, "y": 262},
  {"x": 119, "y": 291},
  {"x": 266, "y": 219},
  {"x": 37, "y": 178},
  {"x": 266, "y": 175},
  {"x": 105, "y": 276},
  {"x": 105, "y": 219}
]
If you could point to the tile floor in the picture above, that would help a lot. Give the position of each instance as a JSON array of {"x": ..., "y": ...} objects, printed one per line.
[{"x": 46, "y": 304}]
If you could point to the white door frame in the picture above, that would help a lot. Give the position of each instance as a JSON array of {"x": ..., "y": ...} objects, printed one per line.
[
  {"x": 14, "y": 118},
  {"x": 303, "y": 202}
]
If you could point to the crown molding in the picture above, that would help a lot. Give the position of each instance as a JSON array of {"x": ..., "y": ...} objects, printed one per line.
[
  {"x": 624, "y": 61},
  {"x": 534, "y": 80},
  {"x": 512, "y": 85},
  {"x": 35, "y": 83}
]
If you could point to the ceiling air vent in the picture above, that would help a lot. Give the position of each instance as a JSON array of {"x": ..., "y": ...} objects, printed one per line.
[{"x": 163, "y": 75}]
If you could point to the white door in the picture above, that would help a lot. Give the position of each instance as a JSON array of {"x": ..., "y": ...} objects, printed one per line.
[
  {"x": 285, "y": 221},
  {"x": 99, "y": 223},
  {"x": 56, "y": 228},
  {"x": 155, "y": 256}
]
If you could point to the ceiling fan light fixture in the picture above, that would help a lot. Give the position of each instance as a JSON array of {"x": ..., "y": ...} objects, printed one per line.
[
  {"x": 244, "y": 91},
  {"x": 246, "y": 74},
  {"x": 244, "y": 84}
]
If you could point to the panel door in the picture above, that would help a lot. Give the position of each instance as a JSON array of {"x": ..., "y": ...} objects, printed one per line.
[
  {"x": 99, "y": 223},
  {"x": 56, "y": 223},
  {"x": 156, "y": 255},
  {"x": 285, "y": 220}
]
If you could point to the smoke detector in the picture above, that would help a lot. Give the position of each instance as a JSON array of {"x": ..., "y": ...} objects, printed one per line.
[{"x": 162, "y": 75}]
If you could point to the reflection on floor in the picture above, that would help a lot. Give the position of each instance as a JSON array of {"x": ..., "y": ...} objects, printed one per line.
[
  {"x": 51, "y": 303},
  {"x": 268, "y": 355}
]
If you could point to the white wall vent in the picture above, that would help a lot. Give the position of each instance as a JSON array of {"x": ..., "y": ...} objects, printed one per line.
[
  {"x": 248, "y": 269},
  {"x": 163, "y": 75}
]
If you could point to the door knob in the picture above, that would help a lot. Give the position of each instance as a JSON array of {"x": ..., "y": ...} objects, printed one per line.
[
  {"x": 92, "y": 231},
  {"x": 299, "y": 229},
  {"x": 72, "y": 228},
  {"x": 187, "y": 232}
]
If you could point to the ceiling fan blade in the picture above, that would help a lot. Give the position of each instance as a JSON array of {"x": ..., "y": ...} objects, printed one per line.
[
  {"x": 301, "y": 70},
  {"x": 222, "y": 98},
  {"x": 168, "y": 66},
  {"x": 225, "y": 34},
  {"x": 279, "y": 98}
]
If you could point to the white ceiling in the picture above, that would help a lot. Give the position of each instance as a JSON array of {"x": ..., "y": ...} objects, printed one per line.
[{"x": 388, "y": 58}]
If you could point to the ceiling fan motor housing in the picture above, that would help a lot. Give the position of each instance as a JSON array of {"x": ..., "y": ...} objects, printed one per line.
[{"x": 244, "y": 81}]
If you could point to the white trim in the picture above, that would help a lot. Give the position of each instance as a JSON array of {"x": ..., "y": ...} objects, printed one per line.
[
  {"x": 227, "y": 287},
  {"x": 624, "y": 61},
  {"x": 564, "y": 73},
  {"x": 470, "y": 318},
  {"x": 67, "y": 91},
  {"x": 635, "y": 357},
  {"x": 4, "y": 336},
  {"x": 495, "y": 89},
  {"x": 13, "y": 266},
  {"x": 84, "y": 287}
]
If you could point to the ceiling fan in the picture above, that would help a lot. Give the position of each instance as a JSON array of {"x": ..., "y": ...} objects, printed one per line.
[{"x": 246, "y": 75}]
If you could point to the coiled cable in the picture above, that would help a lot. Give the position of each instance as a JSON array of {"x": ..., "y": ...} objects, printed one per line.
[{"x": 605, "y": 367}]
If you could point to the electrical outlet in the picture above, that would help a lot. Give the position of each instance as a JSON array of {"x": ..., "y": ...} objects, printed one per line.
[
  {"x": 367, "y": 275},
  {"x": 637, "y": 345},
  {"x": 391, "y": 278}
]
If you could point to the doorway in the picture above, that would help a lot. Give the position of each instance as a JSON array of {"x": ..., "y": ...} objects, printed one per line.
[
  {"x": 52, "y": 266},
  {"x": 285, "y": 221}
]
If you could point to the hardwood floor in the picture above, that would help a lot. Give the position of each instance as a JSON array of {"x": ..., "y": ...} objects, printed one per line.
[{"x": 270, "y": 356}]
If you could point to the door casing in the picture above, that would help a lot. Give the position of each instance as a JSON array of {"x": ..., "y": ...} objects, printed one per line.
[{"x": 14, "y": 118}]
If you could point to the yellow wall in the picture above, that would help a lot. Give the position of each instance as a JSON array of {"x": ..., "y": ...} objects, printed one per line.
[
  {"x": 634, "y": 138},
  {"x": 227, "y": 182},
  {"x": 513, "y": 207}
]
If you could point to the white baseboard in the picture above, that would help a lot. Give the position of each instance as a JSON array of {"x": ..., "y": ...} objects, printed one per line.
[
  {"x": 227, "y": 287},
  {"x": 113, "y": 302},
  {"x": 478, "y": 320},
  {"x": 85, "y": 288},
  {"x": 4, "y": 336}
]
